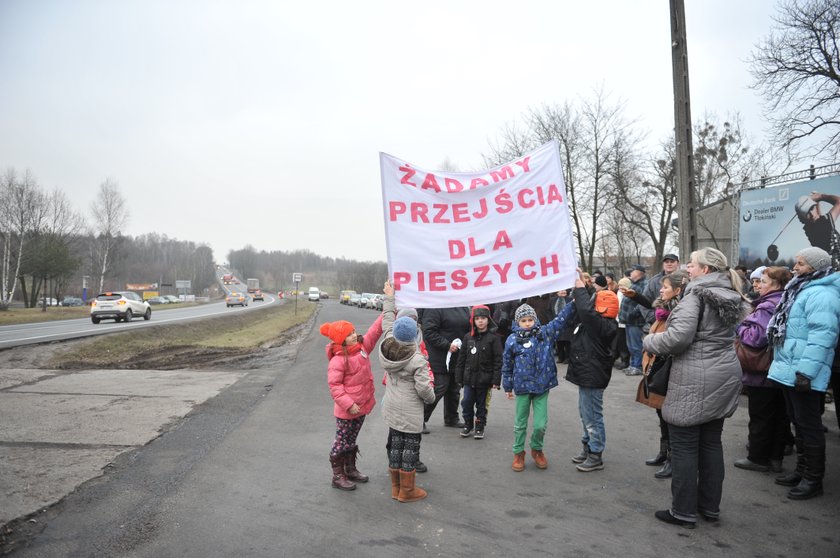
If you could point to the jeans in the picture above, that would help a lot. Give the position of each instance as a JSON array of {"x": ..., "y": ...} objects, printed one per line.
[
  {"x": 591, "y": 407},
  {"x": 520, "y": 427},
  {"x": 768, "y": 426},
  {"x": 448, "y": 390},
  {"x": 475, "y": 397},
  {"x": 634, "y": 345},
  {"x": 697, "y": 462}
]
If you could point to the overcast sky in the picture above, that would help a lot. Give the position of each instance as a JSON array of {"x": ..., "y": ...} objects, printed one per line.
[{"x": 246, "y": 122}]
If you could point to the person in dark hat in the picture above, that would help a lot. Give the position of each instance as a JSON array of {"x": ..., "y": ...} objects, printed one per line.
[{"x": 632, "y": 316}]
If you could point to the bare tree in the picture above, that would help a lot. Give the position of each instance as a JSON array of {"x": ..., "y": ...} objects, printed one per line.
[
  {"x": 797, "y": 70},
  {"x": 646, "y": 198},
  {"x": 21, "y": 206},
  {"x": 110, "y": 216}
]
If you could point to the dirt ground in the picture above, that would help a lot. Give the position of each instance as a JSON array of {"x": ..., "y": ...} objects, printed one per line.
[{"x": 43, "y": 356}]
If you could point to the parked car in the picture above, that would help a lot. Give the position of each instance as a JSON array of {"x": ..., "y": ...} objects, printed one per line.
[
  {"x": 157, "y": 300},
  {"x": 72, "y": 301},
  {"x": 314, "y": 294},
  {"x": 363, "y": 300},
  {"x": 325, "y": 294},
  {"x": 377, "y": 302},
  {"x": 119, "y": 306},
  {"x": 345, "y": 296},
  {"x": 371, "y": 303},
  {"x": 49, "y": 301},
  {"x": 172, "y": 299},
  {"x": 354, "y": 299},
  {"x": 236, "y": 299}
]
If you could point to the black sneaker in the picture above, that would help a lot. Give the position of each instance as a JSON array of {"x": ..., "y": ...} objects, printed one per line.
[
  {"x": 665, "y": 515},
  {"x": 479, "y": 432},
  {"x": 466, "y": 431}
]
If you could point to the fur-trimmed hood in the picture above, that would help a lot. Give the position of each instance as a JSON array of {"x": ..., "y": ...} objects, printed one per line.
[{"x": 716, "y": 292}]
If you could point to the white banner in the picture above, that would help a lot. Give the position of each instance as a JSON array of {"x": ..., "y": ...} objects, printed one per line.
[{"x": 459, "y": 239}]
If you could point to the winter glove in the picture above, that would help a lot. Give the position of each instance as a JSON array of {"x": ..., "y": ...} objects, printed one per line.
[{"x": 802, "y": 384}]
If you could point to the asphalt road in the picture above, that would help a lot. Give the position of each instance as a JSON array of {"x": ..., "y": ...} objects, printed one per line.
[
  {"x": 42, "y": 332},
  {"x": 246, "y": 474}
]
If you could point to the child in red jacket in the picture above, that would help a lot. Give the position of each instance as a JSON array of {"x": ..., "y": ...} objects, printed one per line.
[{"x": 351, "y": 386}]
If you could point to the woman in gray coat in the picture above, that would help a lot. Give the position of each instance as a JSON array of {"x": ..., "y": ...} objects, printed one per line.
[{"x": 704, "y": 385}]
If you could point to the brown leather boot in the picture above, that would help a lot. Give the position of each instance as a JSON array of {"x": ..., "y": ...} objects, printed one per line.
[
  {"x": 518, "y": 461},
  {"x": 539, "y": 459},
  {"x": 339, "y": 479},
  {"x": 408, "y": 493},
  {"x": 350, "y": 466},
  {"x": 395, "y": 482}
]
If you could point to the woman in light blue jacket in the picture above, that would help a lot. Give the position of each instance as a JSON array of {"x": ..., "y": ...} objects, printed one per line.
[{"x": 803, "y": 331}]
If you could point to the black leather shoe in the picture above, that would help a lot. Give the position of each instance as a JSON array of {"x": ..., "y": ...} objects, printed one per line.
[
  {"x": 665, "y": 472},
  {"x": 806, "y": 489},
  {"x": 745, "y": 463},
  {"x": 665, "y": 515},
  {"x": 421, "y": 467},
  {"x": 657, "y": 461},
  {"x": 789, "y": 479}
]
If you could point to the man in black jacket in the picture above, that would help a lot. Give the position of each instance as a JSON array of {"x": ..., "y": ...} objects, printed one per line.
[
  {"x": 590, "y": 367},
  {"x": 443, "y": 329}
]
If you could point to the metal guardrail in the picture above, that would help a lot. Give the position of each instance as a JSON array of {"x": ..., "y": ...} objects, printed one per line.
[{"x": 797, "y": 176}]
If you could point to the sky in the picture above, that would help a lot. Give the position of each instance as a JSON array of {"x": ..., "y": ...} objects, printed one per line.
[{"x": 235, "y": 123}]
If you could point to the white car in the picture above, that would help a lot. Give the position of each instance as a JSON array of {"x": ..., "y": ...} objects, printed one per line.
[
  {"x": 119, "y": 306},
  {"x": 314, "y": 294}
]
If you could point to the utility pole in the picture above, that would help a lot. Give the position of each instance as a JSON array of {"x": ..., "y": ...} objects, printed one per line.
[{"x": 686, "y": 204}]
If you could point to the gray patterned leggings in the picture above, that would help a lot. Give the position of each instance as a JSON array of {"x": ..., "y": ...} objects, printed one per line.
[{"x": 403, "y": 450}]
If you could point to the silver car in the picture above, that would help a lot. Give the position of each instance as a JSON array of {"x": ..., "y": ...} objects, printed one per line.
[{"x": 119, "y": 306}]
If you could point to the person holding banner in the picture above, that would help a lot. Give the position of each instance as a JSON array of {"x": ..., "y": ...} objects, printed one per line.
[
  {"x": 443, "y": 329},
  {"x": 351, "y": 385},
  {"x": 529, "y": 371}
]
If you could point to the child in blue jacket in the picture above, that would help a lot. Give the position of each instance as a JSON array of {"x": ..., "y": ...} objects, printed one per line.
[{"x": 529, "y": 371}]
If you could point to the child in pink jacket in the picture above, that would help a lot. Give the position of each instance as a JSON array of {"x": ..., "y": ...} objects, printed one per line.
[{"x": 351, "y": 386}]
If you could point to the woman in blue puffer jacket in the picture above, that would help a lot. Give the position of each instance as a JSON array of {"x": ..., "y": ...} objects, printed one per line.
[{"x": 803, "y": 331}]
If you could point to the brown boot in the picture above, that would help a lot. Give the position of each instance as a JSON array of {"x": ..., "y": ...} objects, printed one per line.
[
  {"x": 340, "y": 479},
  {"x": 518, "y": 461},
  {"x": 408, "y": 493},
  {"x": 539, "y": 459},
  {"x": 350, "y": 466},
  {"x": 395, "y": 483}
]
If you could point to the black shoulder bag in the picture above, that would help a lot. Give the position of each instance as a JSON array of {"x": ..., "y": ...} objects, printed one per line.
[{"x": 659, "y": 371}]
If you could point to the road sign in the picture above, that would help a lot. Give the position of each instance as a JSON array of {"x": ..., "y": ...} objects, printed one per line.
[
  {"x": 297, "y": 277},
  {"x": 183, "y": 284}
]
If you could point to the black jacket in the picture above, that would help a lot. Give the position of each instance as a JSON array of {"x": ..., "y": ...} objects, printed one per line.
[
  {"x": 480, "y": 360},
  {"x": 441, "y": 326},
  {"x": 591, "y": 360}
]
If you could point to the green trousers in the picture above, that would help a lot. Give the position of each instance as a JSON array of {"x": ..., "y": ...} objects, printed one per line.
[{"x": 523, "y": 411}]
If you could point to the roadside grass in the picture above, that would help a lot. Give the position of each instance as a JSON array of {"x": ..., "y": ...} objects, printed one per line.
[
  {"x": 185, "y": 344},
  {"x": 15, "y": 316}
]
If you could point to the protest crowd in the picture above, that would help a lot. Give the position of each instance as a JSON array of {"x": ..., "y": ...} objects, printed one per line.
[{"x": 698, "y": 334}]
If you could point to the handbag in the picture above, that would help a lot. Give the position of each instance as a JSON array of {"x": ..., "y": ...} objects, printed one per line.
[
  {"x": 654, "y": 384},
  {"x": 753, "y": 360},
  {"x": 658, "y": 374}
]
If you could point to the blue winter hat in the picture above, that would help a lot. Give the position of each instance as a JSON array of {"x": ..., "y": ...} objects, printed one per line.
[{"x": 405, "y": 330}]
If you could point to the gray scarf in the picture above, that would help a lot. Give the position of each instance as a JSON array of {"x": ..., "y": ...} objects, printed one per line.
[{"x": 777, "y": 326}]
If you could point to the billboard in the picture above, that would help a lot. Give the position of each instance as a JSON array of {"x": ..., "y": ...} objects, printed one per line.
[{"x": 777, "y": 222}]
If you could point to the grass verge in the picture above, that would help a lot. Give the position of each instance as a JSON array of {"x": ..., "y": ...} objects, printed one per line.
[
  {"x": 14, "y": 316},
  {"x": 192, "y": 344}
]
